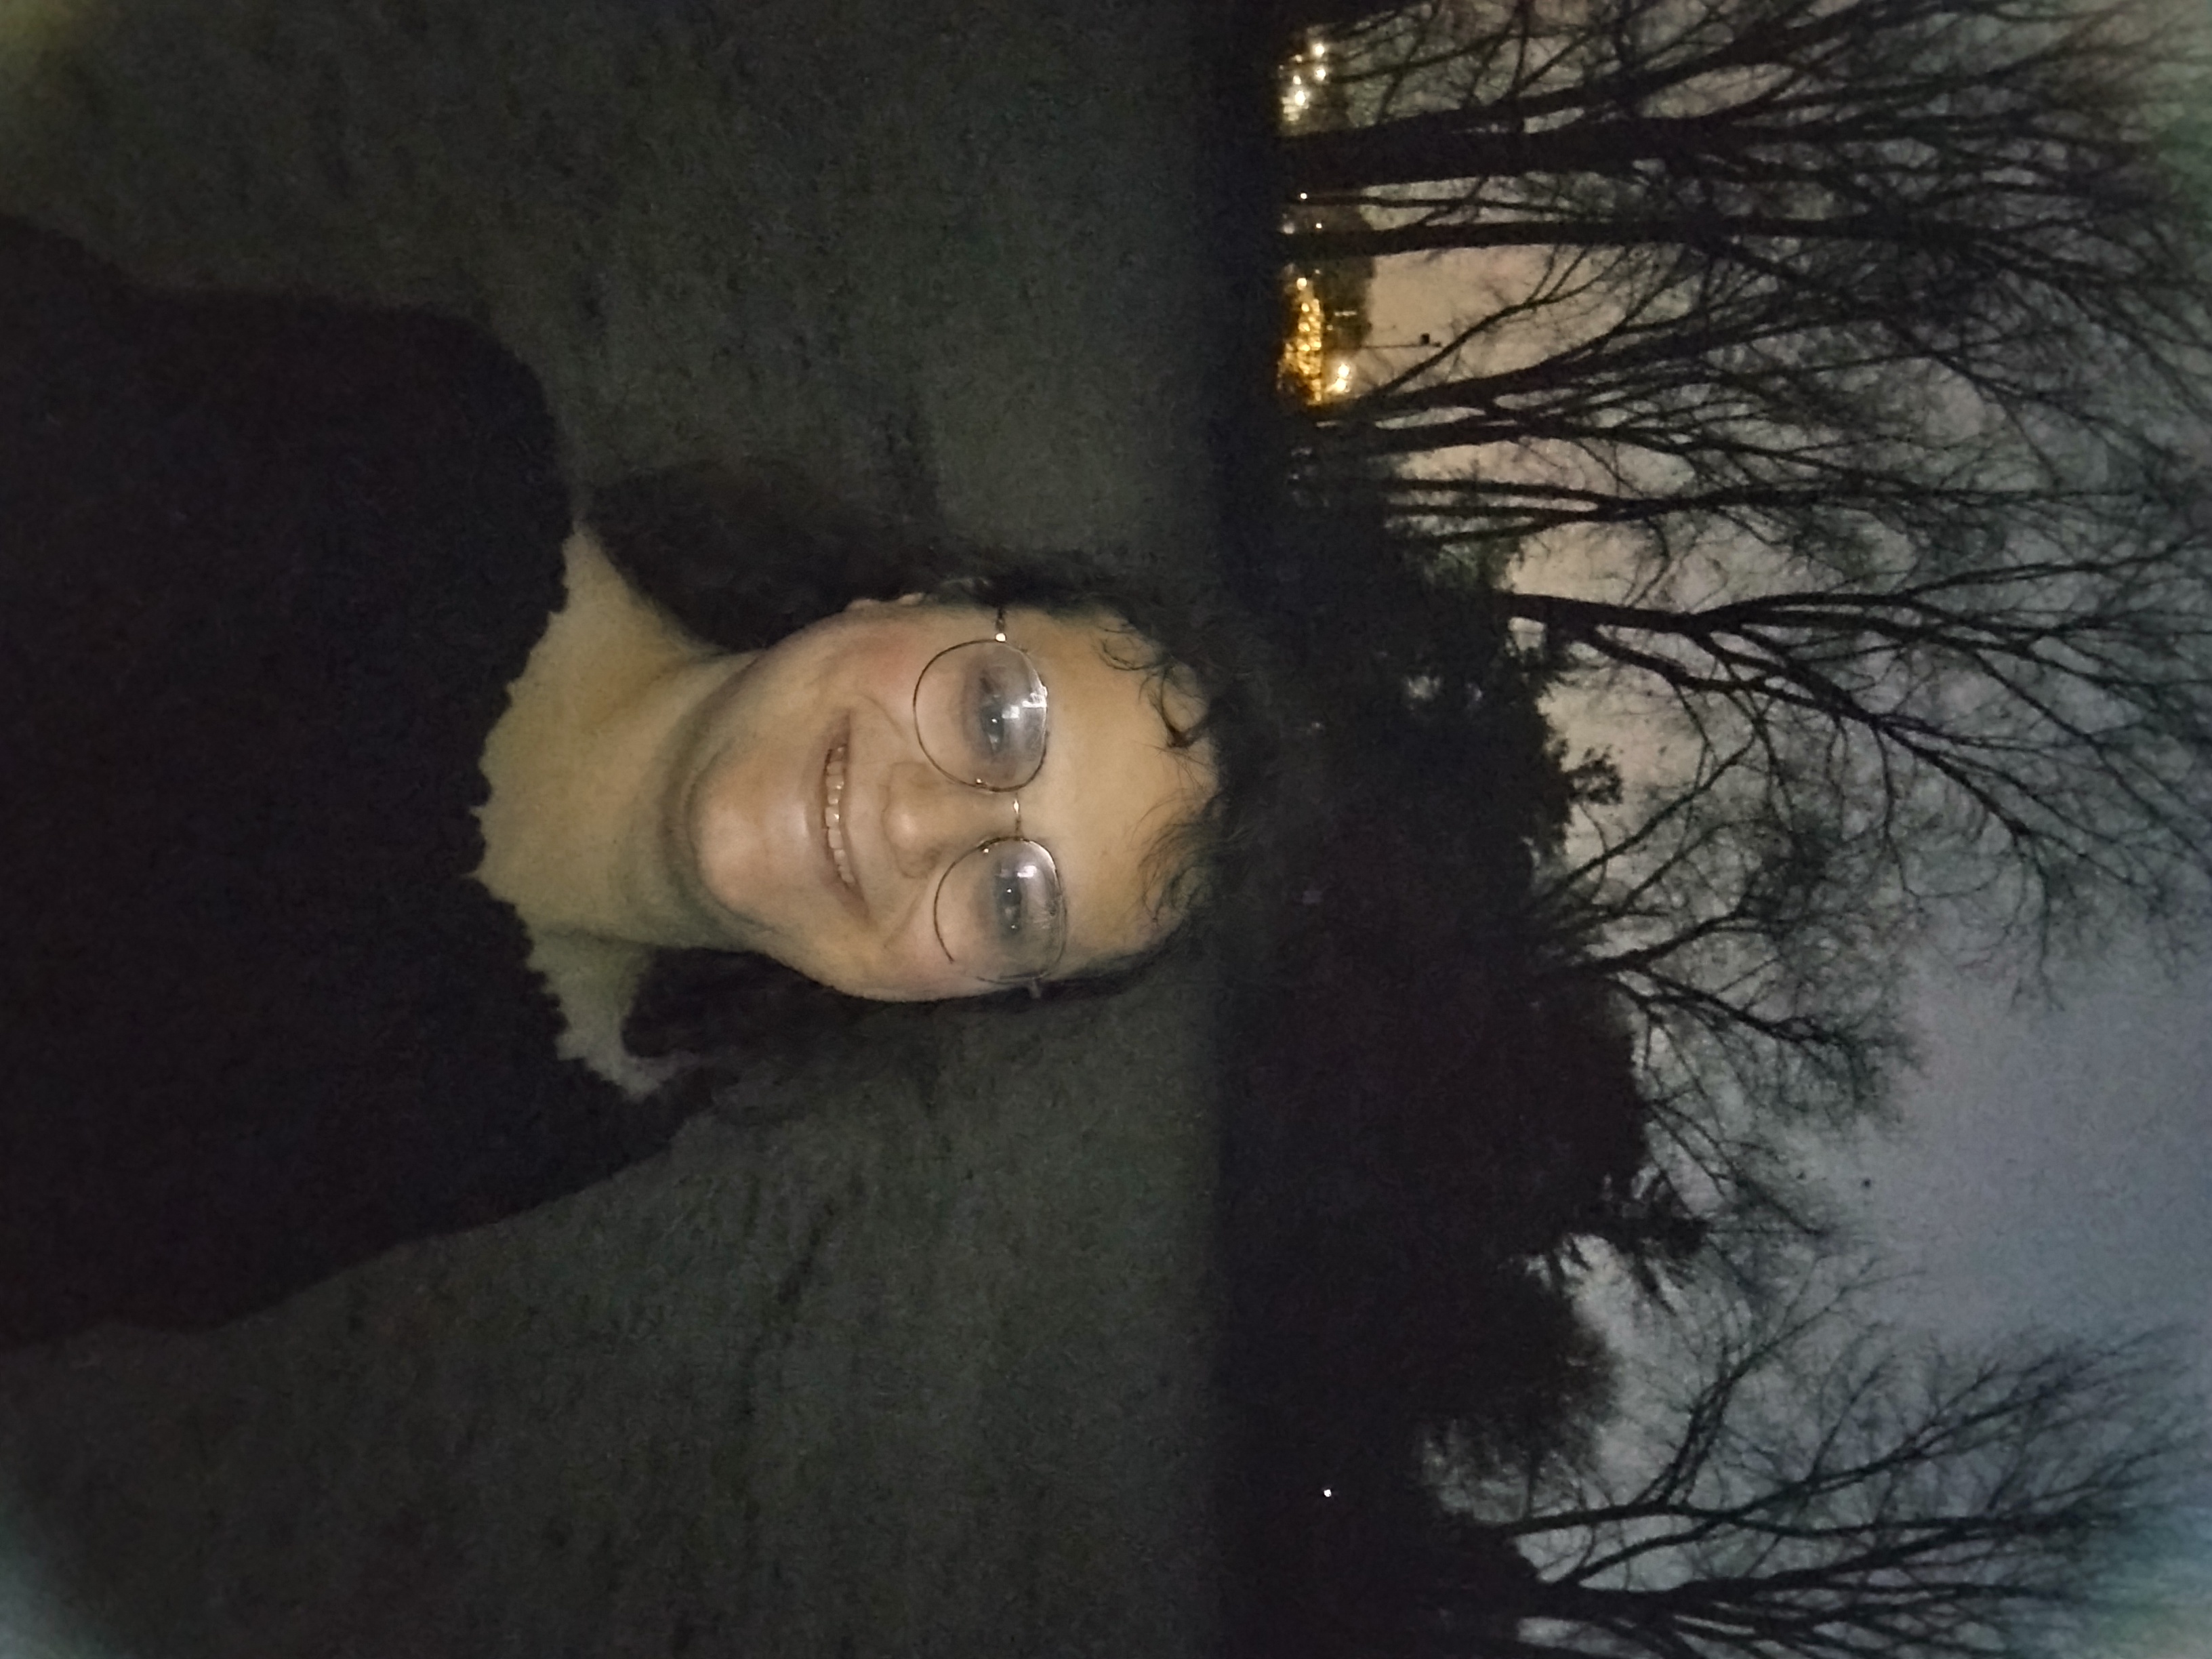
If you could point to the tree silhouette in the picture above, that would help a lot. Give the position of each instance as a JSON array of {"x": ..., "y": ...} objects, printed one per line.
[
  {"x": 1828, "y": 405},
  {"x": 1817, "y": 1489},
  {"x": 1830, "y": 282},
  {"x": 1831, "y": 391},
  {"x": 2022, "y": 744}
]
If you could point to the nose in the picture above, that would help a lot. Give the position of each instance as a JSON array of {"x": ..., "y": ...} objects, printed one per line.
[{"x": 928, "y": 818}]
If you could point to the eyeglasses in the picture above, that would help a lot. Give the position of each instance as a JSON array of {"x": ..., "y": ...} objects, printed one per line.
[{"x": 979, "y": 710}]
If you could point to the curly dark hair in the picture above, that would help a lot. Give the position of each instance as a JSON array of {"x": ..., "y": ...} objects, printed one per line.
[{"x": 741, "y": 559}]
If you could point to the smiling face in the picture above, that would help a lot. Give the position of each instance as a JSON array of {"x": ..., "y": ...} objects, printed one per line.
[{"x": 808, "y": 823}]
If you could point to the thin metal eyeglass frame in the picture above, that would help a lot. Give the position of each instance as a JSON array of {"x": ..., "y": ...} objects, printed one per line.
[{"x": 997, "y": 636}]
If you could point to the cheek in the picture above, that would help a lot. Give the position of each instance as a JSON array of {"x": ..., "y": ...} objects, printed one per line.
[
  {"x": 722, "y": 839},
  {"x": 869, "y": 655},
  {"x": 849, "y": 954}
]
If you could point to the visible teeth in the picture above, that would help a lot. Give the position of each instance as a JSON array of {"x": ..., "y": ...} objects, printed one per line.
[{"x": 833, "y": 813}]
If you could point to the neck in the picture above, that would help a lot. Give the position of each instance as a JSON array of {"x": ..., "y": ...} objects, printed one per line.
[{"x": 581, "y": 765}]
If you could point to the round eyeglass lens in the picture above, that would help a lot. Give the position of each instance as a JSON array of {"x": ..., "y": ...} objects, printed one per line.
[
  {"x": 980, "y": 711},
  {"x": 1000, "y": 914}
]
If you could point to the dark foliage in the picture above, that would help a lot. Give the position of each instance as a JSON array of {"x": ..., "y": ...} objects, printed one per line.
[{"x": 1423, "y": 1123}]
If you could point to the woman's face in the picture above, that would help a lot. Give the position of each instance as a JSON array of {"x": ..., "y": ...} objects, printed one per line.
[{"x": 809, "y": 822}]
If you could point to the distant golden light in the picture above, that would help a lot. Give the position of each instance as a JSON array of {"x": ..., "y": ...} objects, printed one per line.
[
  {"x": 1302, "y": 369},
  {"x": 1305, "y": 370},
  {"x": 1301, "y": 74},
  {"x": 1325, "y": 313}
]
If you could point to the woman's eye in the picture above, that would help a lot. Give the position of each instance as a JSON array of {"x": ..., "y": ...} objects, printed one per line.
[
  {"x": 1023, "y": 901},
  {"x": 1007, "y": 725},
  {"x": 1000, "y": 914},
  {"x": 994, "y": 716},
  {"x": 1009, "y": 917},
  {"x": 988, "y": 726}
]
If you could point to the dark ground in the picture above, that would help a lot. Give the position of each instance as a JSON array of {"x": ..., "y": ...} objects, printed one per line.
[{"x": 923, "y": 1371}]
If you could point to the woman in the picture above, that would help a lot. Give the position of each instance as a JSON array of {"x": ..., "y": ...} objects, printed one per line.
[{"x": 376, "y": 840}]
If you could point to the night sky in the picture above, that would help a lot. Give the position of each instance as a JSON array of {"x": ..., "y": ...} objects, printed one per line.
[
  {"x": 2053, "y": 1171},
  {"x": 2054, "y": 1164}
]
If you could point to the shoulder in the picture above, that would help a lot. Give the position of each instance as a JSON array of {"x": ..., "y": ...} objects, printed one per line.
[
  {"x": 139, "y": 424},
  {"x": 325, "y": 364},
  {"x": 291, "y": 375}
]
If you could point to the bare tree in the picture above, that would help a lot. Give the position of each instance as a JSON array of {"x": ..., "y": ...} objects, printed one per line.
[
  {"x": 2052, "y": 710},
  {"x": 1814, "y": 1488},
  {"x": 2014, "y": 142},
  {"x": 2022, "y": 746},
  {"x": 1818, "y": 275},
  {"x": 1849, "y": 361}
]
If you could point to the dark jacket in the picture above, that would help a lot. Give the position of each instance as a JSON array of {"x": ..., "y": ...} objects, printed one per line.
[{"x": 267, "y": 567}]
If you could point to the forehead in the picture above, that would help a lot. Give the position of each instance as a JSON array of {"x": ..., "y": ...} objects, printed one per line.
[{"x": 1114, "y": 785}]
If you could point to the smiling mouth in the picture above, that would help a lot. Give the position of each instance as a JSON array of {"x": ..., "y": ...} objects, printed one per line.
[{"x": 833, "y": 814}]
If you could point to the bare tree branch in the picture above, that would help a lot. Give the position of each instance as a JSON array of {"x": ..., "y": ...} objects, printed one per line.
[{"x": 1810, "y": 1487}]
